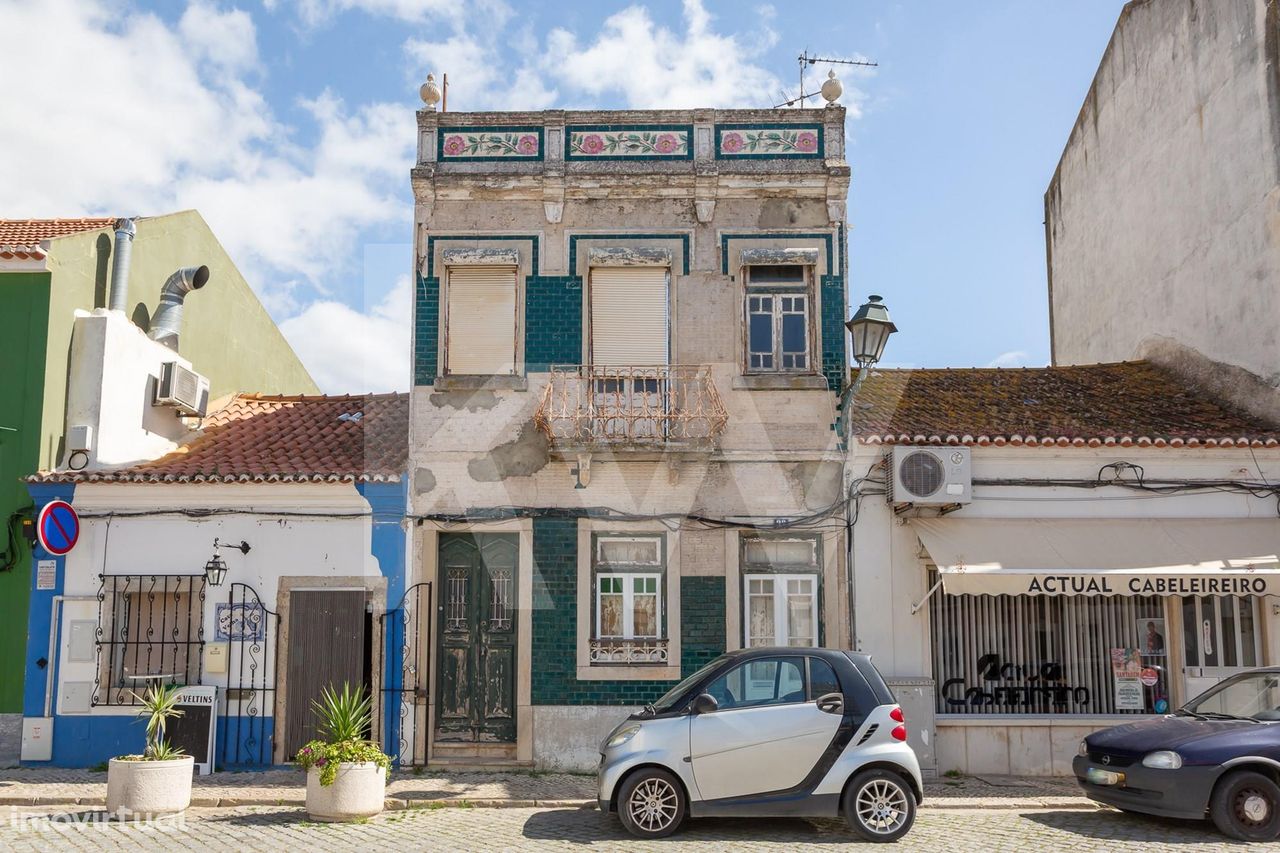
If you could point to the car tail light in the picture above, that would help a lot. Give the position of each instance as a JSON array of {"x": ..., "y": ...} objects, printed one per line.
[
  {"x": 896, "y": 715},
  {"x": 899, "y": 733}
]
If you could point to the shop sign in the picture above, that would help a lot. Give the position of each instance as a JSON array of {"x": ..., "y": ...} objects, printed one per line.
[{"x": 1033, "y": 685}]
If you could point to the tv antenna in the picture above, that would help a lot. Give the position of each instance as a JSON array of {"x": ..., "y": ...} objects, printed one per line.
[{"x": 805, "y": 60}]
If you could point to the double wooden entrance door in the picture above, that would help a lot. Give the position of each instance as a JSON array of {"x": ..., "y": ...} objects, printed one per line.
[{"x": 476, "y": 676}]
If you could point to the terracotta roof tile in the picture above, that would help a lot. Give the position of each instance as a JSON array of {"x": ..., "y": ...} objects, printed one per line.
[
  {"x": 21, "y": 238},
  {"x": 274, "y": 439},
  {"x": 1133, "y": 403}
]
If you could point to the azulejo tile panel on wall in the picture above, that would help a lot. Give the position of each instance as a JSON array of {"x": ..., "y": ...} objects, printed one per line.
[
  {"x": 761, "y": 141},
  {"x": 489, "y": 143},
  {"x": 630, "y": 142}
]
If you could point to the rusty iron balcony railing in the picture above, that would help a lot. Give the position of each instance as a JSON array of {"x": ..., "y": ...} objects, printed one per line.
[{"x": 638, "y": 407}]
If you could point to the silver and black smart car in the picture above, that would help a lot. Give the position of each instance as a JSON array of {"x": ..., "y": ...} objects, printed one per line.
[{"x": 766, "y": 732}]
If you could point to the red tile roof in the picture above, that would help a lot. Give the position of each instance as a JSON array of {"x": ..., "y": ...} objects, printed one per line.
[
  {"x": 20, "y": 238},
  {"x": 1133, "y": 403},
  {"x": 270, "y": 439}
]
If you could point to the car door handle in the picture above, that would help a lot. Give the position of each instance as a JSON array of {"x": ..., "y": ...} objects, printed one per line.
[{"x": 831, "y": 703}]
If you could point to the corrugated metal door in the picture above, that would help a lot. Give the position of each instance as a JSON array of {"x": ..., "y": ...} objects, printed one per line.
[
  {"x": 326, "y": 646},
  {"x": 629, "y": 316},
  {"x": 481, "y": 335}
]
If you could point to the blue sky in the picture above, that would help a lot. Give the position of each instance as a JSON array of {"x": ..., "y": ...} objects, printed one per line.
[{"x": 289, "y": 124}]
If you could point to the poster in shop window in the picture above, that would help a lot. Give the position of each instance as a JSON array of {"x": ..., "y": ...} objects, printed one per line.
[
  {"x": 1151, "y": 639},
  {"x": 1126, "y": 671}
]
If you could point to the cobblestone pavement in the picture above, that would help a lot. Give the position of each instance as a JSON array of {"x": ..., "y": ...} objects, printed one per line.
[
  {"x": 35, "y": 786},
  {"x": 457, "y": 829}
]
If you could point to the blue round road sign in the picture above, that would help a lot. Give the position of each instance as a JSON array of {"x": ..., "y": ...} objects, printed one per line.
[{"x": 58, "y": 527}]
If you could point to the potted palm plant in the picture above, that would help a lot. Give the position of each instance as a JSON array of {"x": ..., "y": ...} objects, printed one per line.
[
  {"x": 346, "y": 772},
  {"x": 157, "y": 782}
]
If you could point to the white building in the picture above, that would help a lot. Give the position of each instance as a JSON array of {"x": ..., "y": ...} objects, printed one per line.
[{"x": 1090, "y": 508}]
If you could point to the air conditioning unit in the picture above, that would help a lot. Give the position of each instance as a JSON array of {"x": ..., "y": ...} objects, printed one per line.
[
  {"x": 931, "y": 476},
  {"x": 182, "y": 389}
]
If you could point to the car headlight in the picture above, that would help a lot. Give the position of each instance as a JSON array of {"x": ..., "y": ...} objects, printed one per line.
[
  {"x": 621, "y": 736},
  {"x": 1082, "y": 749},
  {"x": 1165, "y": 759}
]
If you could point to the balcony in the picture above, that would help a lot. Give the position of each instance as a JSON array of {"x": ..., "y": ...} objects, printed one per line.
[{"x": 639, "y": 408}]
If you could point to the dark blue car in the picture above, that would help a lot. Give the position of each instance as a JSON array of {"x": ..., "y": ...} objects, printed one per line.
[{"x": 1217, "y": 757}]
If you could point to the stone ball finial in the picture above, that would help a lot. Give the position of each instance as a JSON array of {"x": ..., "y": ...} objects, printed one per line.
[
  {"x": 831, "y": 88},
  {"x": 430, "y": 92}
]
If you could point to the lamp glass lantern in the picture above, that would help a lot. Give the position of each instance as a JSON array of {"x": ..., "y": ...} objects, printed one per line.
[
  {"x": 870, "y": 328},
  {"x": 215, "y": 571}
]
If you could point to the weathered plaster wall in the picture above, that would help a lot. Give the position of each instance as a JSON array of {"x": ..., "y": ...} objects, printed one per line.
[{"x": 1163, "y": 218}]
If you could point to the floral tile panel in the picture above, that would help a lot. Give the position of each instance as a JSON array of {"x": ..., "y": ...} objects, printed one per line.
[
  {"x": 490, "y": 143},
  {"x": 604, "y": 143},
  {"x": 781, "y": 141}
]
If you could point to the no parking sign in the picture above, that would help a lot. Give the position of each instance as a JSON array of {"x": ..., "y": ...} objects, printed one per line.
[{"x": 57, "y": 528}]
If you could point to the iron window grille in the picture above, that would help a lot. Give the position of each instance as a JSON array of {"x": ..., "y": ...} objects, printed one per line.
[{"x": 150, "y": 631}]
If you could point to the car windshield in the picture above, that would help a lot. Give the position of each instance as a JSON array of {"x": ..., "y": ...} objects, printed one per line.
[
  {"x": 669, "y": 699},
  {"x": 1254, "y": 696}
]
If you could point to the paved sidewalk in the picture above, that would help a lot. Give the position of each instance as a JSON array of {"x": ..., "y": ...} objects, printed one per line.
[{"x": 407, "y": 789}]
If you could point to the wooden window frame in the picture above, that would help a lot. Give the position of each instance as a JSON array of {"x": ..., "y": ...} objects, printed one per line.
[
  {"x": 628, "y": 571},
  {"x": 749, "y": 570},
  {"x": 777, "y": 290}
]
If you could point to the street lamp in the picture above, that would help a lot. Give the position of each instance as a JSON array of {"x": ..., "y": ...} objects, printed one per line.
[
  {"x": 870, "y": 328},
  {"x": 215, "y": 571}
]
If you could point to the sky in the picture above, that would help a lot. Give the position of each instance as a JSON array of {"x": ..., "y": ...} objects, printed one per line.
[{"x": 289, "y": 124}]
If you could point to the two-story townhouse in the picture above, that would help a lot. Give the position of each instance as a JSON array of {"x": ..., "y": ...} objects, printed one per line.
[{"x": 628, "y": 351}]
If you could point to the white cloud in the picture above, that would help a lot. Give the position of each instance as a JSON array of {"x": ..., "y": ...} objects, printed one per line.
[
  {"x": 316, "y": 12},
  {"x": 169, "y": 118},
  {"x": 1013, "y": 358},
  {"x": 348, "y": 351}
]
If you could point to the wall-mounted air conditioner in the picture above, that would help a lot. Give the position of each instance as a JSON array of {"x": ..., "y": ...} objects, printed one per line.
[
  {"x": 182, "y": 389},
  {"x": 931, "y": 476}
]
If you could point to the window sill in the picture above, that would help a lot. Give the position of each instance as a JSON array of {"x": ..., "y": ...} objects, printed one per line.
[
  {"x": 481, "y": 383},
  {"x": 780, "y": 382},
  {"x": 629, "y": 672}
]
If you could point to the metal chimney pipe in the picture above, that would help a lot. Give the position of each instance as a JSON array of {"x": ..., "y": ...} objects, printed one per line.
[
  {"x": 166, "y": 325},
  {"x": 119, "y": 298}
]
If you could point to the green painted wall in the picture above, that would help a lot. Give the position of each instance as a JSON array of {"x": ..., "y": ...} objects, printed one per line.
[
  {"x": 24, "y": 321},
  {"x": 555, "y": 625}
]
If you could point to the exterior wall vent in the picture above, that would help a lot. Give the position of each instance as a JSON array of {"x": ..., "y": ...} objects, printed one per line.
[
  {"x": 931, "y": 476},
  {"x": 182, "y": 389}
]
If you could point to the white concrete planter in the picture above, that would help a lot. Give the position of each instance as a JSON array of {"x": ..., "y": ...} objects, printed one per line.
[
  {"x": 359, "y": 791},
  {"x": 141, "y": 789}
]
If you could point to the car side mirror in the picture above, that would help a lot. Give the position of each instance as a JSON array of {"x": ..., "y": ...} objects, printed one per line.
[
  {"x": 705, "y": 703},
  {"x": 831, "y": 703}
]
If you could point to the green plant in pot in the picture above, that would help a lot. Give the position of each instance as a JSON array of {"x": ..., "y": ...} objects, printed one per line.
[
  {"x": 157, "y": 782},
  {"x": 346, "y": 772}
]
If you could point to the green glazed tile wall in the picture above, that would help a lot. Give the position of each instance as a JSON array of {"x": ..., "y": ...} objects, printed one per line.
[{"x": 555, "y": 625}]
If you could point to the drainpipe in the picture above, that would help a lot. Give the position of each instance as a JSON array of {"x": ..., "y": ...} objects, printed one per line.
[
  {"x": 166, "y": 325},
  {"x": 119, "y": 298}
]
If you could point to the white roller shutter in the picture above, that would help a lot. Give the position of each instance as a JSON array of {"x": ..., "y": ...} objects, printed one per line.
[
  {"x": 482, "y": 321},
  {"x": 629, "y": 316}
]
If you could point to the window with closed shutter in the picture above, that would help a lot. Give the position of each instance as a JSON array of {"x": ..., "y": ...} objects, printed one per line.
[
  {"x": 481, "y": 333},
  {"x": 629, "y": 317}
]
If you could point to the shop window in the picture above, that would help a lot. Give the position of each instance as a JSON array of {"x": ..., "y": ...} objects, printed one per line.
[
  {"x": 480, "y": 321},
  {"x": 152, "y": 632},
  {"x": 628, "y": 574},
  {"x": 1039, "y": 654},
  {"x": 1221, "y": 631},
  {"x": 779, "y": 324},
  {"x": 781, "y": 581}
]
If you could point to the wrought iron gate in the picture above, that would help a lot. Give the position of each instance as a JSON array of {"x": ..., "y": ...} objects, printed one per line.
[
  {"x": 252, "y": 634},
  {"x": 403, "y": 659}
]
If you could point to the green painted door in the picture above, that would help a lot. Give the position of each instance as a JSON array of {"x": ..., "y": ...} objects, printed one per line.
[{"x": 476, "y": 676}]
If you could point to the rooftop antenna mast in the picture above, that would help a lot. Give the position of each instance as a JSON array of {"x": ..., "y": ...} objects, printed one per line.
[{"x": 805, "y": 60}]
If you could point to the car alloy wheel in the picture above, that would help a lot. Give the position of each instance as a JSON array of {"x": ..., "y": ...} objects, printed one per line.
[
  {"x": 651, "y": 804},
  {"x": 880, "y": 805},
  {"x": 1244, "y": 806}
]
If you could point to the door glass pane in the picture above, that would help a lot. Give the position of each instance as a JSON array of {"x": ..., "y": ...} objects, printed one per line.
[
  {"x": 761, "y": 630},
  {"x": 781, "y": 552},
  {"x": 759, "y": 683},
  {"x": 632, "y": 551},
  {"x": 1227, "y": 604},
  {"x": 1190, "y": 633},
  {"x": 1207, "y": 632},
  {"x": 822, "y": 679},
  {"x": 800, "y": 628},
  {"x": 794, "y": 343},
  {"x": 644, "y": 613},
  {"x": 1248, "y": 634},
  {"x": 611, "y": 607},
  {"x": 791, "y": 682}
]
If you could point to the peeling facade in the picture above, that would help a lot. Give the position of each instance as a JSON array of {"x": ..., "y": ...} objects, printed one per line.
[{"x": 628, "y": 349}]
